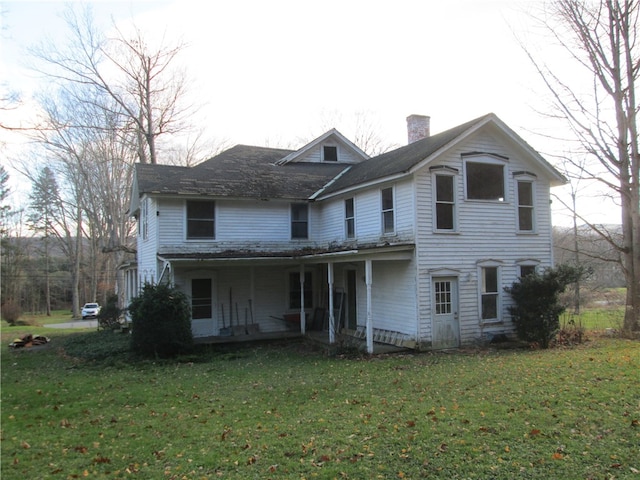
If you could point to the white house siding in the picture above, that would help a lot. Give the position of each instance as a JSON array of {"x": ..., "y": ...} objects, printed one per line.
[
  {"x": 345, "y": 154},
  {"x": 486, "y": 231},
  {"x": 147, "y": 247},
  {"x": 368, "y": 211},
  {"x": 240, "y": 224},
  {"x": 393, "y": 293}
]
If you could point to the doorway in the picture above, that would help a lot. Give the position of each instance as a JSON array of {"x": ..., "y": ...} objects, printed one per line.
[{"x": 445, "y": 323}]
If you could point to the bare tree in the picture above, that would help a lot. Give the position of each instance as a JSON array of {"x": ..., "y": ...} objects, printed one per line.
[
  {"x": 144, "y": 84},
  {"x": 602, "y": 37}
]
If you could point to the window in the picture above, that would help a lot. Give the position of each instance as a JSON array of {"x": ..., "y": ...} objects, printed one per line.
[
  {"x": 349, "y": 218},
  {"x": 489, "y": 294},
  {"x": 445, "y": 202},
  {"x": 145, "y": 218},
  {"x": 443, "y": 297},
  {"x": 525, "y": 206},
  {"x": 200, "y": 219},
  {"x": 527, "y": 270},
  {"x": 201, "y": 299},
  {"x": 485, "y": 181},
  {"x": 388, "y": 223},
  {"x": 299, "y": 220},
  {"x": 329, "y": 153},
  {"x": 294, "y": 290}
]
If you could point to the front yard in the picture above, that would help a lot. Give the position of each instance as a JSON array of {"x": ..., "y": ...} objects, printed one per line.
[{"x": 80, "y": 408}]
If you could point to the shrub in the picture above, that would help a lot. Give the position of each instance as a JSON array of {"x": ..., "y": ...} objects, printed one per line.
[
  {"x": 161, "y": 322},
  {"x": 109, "y": 316},
  {"x": 11, "y": 313},
  {"x": 537, "y": 309}
]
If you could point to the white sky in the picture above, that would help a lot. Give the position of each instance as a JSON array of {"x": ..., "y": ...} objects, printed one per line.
[{"x": 275, "y": 71}]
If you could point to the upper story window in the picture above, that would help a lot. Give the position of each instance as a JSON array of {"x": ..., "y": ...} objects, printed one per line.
[
  {"x": 485, "y": 177},
  {"x": 445, "y": 199},
  {"x": 349, "y": 219},
  {"x": 201, "y": 219},
  {"x": 299, "y": 220},
  {"x": 329, "y": 153},
  {"x": 525, "y": 206},
  {"x": 388, "y": 218}
]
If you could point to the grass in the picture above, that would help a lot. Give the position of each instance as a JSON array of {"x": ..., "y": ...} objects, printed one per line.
[{"x": 84, "y": 408}]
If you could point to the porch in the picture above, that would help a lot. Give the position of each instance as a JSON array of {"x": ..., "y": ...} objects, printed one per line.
[{"x": 346, "y": 341}]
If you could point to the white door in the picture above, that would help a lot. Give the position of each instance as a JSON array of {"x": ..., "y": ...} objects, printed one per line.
[{"x": 445, "y": 324}]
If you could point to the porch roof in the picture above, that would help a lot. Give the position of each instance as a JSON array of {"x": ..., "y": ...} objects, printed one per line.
[{"x": 387, "y": 251}]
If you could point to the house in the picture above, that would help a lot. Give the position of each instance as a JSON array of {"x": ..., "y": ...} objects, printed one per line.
[{"x": 412, "y": 247}]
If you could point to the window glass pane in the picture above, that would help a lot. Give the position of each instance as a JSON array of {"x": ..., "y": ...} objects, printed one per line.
[
  {"x": 330, "y": 154},
  {"x": 525, "y": 218},
  {"x": 387, "y": 220},
  {"x": 527, "y": 270},
  {"x": 443, "y": 297},
  {"x": 351, "y": 231},
  {"x": 387, "y": 199},
  {"x": 200, "y": 219},
  {"x": 299, "y": 222},
  {"x": 525, "y": 193},
  {"x": 201, "y": 300},
  {"x": 490, "y": 279},
  {"x": 444, "y": 216},
  {"x": 489, "y": 306},
  {"x": 485, "y": 181},
  {"x": 348, "y": 208},
  {"x": 444, "y": 188}
]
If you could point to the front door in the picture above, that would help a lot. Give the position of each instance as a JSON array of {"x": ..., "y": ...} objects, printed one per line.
[{"x": 445, "y": 324}]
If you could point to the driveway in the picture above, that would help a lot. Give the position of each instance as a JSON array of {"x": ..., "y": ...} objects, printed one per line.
[{"x": 75, "y": 324}]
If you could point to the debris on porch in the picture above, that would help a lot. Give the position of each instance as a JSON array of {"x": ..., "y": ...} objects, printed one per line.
[{"x": 386, "y": 336}]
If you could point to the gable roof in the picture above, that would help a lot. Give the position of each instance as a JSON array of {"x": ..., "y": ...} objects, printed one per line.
[
  {"x": 408, "y": 158},
  {"x": 331, "y": 133},
  {"x": 241, "y": 172},
  {"x": 271, "y": 173}
]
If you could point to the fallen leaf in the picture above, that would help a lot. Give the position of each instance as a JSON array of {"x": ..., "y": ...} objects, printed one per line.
[
  {"x": 534, "y": 432},
  {"x": 557, "y": 456}
]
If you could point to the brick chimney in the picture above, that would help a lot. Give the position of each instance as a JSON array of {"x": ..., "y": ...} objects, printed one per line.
[{"x": 417, "y": 127}]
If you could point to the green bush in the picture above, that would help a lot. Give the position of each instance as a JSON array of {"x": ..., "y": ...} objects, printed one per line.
[
  {"x": 161, "y": 322},
  {"x": 537, "y": 309},
  {"x": 109, "y": 316}
]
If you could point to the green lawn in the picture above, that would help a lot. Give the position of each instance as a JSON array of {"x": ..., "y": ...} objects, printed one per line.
[{"x": 82, "y": 408}]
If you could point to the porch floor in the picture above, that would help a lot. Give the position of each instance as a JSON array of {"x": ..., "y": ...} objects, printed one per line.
[{"x": 314, "y": 337}]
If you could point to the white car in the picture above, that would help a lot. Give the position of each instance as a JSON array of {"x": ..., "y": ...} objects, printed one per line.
[{"x": 90, "y": 310}]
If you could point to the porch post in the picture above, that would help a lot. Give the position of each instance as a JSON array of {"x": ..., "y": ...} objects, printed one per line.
[
  {"x": 332, "y": 335},
  {"x": 368, "y": 281},
  {"x": 303, "y": 325}
]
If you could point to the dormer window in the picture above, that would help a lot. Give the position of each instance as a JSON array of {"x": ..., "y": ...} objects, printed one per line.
[{"x": 329, "y": 153}]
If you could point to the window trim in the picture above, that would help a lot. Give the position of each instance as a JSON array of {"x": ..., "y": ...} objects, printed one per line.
[
  {"x": 292, "y": 221},
  {"x": 482, "y": 266},
  {"x": 351, "y": 219},
  {"x": 525, "y": 177},
  {"x": 391, "y": 210},
  {"x": 186, "y": 219},
  {"x": 488, "y": 159},
  {"x": 453, "y": 174}
]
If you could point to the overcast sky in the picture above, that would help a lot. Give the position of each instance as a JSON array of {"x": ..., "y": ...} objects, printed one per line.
[{"x": 277, "y": 71}]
